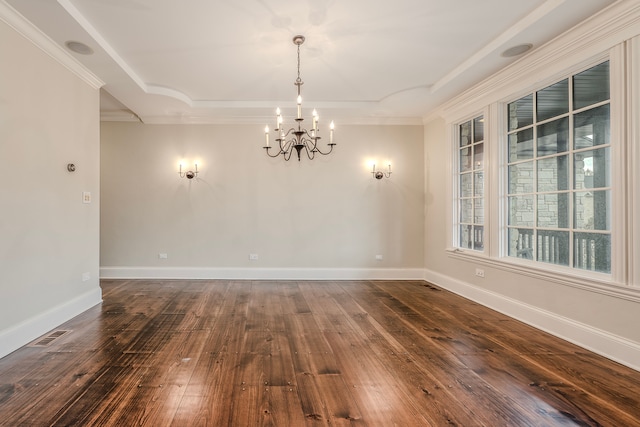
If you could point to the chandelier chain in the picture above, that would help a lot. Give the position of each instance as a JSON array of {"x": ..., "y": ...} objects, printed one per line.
[{"x": 298, "y": 80}]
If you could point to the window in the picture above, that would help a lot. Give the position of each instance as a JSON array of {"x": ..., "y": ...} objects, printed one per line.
[
  {"x": 471, "y": 184},
  {"x": 559, "y": 174}
]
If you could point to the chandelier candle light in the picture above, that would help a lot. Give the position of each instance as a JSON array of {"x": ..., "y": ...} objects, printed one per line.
[{"x": 300, "y": 138}]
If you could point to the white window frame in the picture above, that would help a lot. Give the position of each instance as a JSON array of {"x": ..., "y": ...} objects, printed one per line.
[
  {"x": 456, "y": 183},
  {"x": 615, "y": 141},
  {"x": 623, "y": 280},
  {"x": 611, "y": 34}
]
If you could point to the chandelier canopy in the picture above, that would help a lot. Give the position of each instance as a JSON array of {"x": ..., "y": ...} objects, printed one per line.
[{"x": 297, "y": 137}]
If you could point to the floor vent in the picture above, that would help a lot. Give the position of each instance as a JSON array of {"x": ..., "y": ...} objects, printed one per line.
[{"x": 48, "y": 339}]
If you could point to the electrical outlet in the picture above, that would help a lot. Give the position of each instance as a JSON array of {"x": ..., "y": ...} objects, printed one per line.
[
  {"x": 162, "y": 256},
  {"x": 479, "y": 272},
  {"x": 86, "y": 276},
  {"x": 253, "y": 257}
]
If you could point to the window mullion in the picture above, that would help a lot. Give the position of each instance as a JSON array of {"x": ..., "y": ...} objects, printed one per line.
[
  {"x": 536, "y": 248},
  {"x": 572, "y": 178}
]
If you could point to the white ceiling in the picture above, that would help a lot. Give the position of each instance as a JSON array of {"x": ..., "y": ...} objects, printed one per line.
[{"x": 228, "y": 61}]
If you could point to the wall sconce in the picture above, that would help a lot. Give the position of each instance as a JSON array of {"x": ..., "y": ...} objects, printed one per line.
[
  {"x": 190, "y": 174},
  {"x": 379, "y": 174}
]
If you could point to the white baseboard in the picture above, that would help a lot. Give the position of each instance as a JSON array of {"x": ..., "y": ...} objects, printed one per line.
[
  {"x": 262, "y": 273},
  {"x": 611, "y": 346},
  {"x": 23, "y": 333}
]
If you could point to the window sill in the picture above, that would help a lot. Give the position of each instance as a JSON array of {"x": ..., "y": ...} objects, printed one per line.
[{"x": 594, "y": 282}]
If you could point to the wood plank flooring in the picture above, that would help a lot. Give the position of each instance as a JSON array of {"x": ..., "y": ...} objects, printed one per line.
[{"x": 304, "y": 353}]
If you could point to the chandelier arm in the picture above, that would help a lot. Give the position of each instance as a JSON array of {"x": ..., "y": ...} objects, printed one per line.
[
  {"x": 266, "y": 149},
  {"x": 309, "y": 142},
  {"x": 283, "y": 144},
  {"x": 287, "y": 154},
  {"x": 313, "y": 141},
  {"x": 286, "y": 145},
  {"x": 285, "y": 135},
  {"x": 310, "y": 152},
  {"x": 328, "y": 152}
]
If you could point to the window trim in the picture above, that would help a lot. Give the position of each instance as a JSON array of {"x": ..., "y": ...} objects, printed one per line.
[
  {"x": 619, "y": 152},
  {"x": 620, "y": 282},
  {"x": 611, "y": 34},
  {"x": 590, "y": 282},
  {"x": 632, "y": 69},
  {"x": 505, "y": 162}
]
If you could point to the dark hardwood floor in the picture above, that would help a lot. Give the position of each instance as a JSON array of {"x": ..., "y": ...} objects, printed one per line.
[{"x": 296, "y": 353}]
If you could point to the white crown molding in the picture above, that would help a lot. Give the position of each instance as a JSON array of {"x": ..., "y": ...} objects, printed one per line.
[
  {"x": 261, "y": 273},
  {"x": 529, "y": 20},
  {"x": 118, "y": 116},
  {"x": 261, "y": 120},
  {"x": 211, "y": 118},
  {"x": 23, "y": 333},
  {"x": 588, "y": 40},
  {"x": 611, "y": 346},
  {"x": 30, "y": 32}
]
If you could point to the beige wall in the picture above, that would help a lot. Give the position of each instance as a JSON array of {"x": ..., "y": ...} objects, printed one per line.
[
  {"x": 49, "y": 238},
  {"x": 328, "y": 213}
]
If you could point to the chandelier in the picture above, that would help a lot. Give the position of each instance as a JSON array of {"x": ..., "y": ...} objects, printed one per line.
[{"x": 297, "y": 137}]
